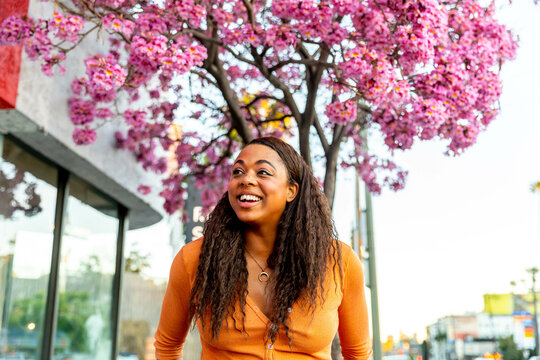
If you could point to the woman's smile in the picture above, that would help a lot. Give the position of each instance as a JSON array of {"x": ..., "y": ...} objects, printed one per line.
[{"x": 248, "y": 200}]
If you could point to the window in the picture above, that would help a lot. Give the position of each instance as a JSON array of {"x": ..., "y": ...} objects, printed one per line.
[
  {"x": 86, "y": 271},
  {"x": 27, "y": 208}
]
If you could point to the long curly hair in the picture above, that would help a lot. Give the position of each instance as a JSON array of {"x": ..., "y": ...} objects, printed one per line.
[{"x": 305, "y": 245}]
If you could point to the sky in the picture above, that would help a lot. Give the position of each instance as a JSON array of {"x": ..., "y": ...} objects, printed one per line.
[
  {"x": 468, "y": 225},
  {"x": 463, "y": 226}
]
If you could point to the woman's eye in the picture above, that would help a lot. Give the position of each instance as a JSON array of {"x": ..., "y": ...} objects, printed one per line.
[
  {"x": 264, "y": 172},
  {"x": 236, "y": 171}
]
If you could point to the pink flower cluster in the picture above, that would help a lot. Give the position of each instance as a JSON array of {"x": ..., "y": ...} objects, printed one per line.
[
  {"x": 81, "y": 112},
  {"x": 15, "y": 30},
  {"x": 188, "y": 11},
  {"x": 67, "y": 27},
  {"x": 105, "y": 76},
  {"x": 135, "y": 118},
  {"x": 341, "y": 112},
  {"x": 84, "y": 136},
  {"x": 115, "y": 23}
]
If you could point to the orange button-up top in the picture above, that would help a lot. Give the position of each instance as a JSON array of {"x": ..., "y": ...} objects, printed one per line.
[{"x": 344, "y": 310}]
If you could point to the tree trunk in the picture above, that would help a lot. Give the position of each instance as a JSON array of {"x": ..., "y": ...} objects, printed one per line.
[
  {"x": 330, "y": 174},
  {"x": 329, "y": 191}
]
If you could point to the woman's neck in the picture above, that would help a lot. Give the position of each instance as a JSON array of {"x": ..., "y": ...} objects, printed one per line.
[{"x": 260, "y": 241}]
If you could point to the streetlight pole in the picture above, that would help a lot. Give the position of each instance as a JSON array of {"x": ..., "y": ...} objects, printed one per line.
[
  {"x": 377, "y": 347},
  {"x": 533, "y": 272}
]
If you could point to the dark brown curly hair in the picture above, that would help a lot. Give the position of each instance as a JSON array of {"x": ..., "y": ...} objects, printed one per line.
[{"x": 304, "y": 247}]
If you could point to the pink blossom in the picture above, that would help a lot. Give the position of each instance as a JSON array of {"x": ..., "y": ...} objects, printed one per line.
[
  {"x": 67, "y": 27},
  {"x": 146, "y": 53},
  {"x": 105, "y": 75},
  {"x": 341, "y": 112},
  {"x": 136, "y": 119},
  {"x": 84, "y": 136},
  {"x": 144, "y": 189},
  {"x": 117, "y": 24},
  {"x": 103, "y": 113},
  {"x": 39, "y": 44},
  {"x": 81, "y": 112},
  {"x": 49, "y": 61},
  {"x": 78, "y": 86},
  {"x": 15, "y": 29}
]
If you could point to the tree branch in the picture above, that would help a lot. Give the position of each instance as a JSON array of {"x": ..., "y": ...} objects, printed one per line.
[
  {"x": 203, "y": 76},
  {"x": 287, "y": 96},
  {"x": 260, "y": 97},
  {"x": 320, "y": 132},
  {"x": 237, "y": 117},
  {"x": 249, "y": 9}
]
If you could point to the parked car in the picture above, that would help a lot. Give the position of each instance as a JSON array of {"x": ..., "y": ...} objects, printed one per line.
[
  {"x": 127, "y": 355},
  {"x": 396, "y": 357},
  {"x": 13, "y": 355}
]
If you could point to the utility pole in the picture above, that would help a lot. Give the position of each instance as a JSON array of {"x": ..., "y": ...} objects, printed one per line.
[
  {"x": 377, "y": 348},
  {"x": 533, "y": 272}
]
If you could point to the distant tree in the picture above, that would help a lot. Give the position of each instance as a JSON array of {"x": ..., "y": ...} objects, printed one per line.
[
  {"x": 136, "y": 262},
  {"x": 509, "y": 349},
  {"x": 91, "y": 265},
  {"x": 73, "y": 311}
]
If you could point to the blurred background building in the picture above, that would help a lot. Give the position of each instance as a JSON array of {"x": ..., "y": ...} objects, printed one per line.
[{"x": 505, "y": 324}]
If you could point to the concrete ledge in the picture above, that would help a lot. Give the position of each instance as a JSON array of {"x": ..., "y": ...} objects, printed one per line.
[{"x": 12, "y": 122}]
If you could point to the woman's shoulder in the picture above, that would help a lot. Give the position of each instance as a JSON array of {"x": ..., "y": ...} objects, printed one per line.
[
  {"x": 188, "y": 256},
  {"x": 346, "y": 250},
  {"x": 192, "y": 248},
  {"x": 348, "y": 255}
]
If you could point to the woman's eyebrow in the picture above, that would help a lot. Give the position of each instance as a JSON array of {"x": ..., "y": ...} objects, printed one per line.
[
  {"x": 267, "y": 162},
  {"x": 241, "y": 162}
]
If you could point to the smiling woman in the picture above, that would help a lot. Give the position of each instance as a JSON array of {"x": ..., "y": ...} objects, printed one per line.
[{"x": 268, "y": 279}]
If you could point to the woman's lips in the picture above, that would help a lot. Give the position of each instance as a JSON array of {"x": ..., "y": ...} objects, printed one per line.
[{"x": 247, "y": 204}]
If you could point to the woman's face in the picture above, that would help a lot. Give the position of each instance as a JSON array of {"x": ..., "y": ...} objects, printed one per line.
[{"x": 259, "y": 186}]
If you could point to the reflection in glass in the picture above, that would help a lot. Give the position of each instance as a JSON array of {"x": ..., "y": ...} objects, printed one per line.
[
  {"x": 27, "y": 205},
  {"x": 86, "y": 273}
]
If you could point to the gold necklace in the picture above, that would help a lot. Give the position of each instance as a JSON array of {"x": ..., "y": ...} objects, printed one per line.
[{"x": 263, "y": 275}]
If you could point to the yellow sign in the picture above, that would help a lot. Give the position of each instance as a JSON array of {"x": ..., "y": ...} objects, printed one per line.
[
  {"x": 498, "y": 304},
  {"x": 508, "y": 304}
]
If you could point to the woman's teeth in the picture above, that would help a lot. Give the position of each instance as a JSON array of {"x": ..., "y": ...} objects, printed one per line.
[{"x": 249, "y": 198}]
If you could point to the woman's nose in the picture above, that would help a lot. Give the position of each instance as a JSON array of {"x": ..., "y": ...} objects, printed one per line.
[{"x": 248, "y": 179}]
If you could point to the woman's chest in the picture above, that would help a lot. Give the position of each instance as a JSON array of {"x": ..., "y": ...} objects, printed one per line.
[{"x": 309, "y": 332}]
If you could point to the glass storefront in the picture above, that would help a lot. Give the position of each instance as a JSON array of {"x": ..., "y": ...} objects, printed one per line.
[
  {"x": 59, "y": 278},
  {"x": 27, "y": 208},
  {"x": 86, "y": 271}
]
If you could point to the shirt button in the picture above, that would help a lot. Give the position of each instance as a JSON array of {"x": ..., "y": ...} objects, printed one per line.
[
  {"x": 289, "y": 310},
  {"x": 270, "y": 346}
]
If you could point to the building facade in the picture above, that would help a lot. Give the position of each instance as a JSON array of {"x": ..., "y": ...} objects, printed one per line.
[{"x": 64, "y": 214}]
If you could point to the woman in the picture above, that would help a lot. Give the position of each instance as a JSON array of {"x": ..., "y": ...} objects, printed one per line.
[{"x": 269, "y": 280}]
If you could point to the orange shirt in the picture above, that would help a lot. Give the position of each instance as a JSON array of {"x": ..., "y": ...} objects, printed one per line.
[{"x": 343, "y": 310}]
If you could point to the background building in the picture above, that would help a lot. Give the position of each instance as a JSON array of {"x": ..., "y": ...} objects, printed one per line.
[{"x": 458, "y": 337}]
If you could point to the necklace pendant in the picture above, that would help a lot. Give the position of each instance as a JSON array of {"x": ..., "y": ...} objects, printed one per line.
[{"x": 263, "y": 276}]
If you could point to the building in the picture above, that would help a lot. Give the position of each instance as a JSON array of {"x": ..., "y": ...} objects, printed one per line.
[
  {"x": 464, "y": 337},
  {"x": 64, "y": 214}
]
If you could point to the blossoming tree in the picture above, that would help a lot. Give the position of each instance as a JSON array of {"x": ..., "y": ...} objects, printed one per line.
[{"x": 322, "y": 72}]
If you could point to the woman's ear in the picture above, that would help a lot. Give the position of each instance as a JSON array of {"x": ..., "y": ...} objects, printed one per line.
[{"x": 292, "y": 191}]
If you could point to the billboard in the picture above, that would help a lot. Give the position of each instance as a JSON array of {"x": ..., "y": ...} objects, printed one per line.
[
  {"x": 509, "y": 304},
  {"x": 524, "y": 331}
]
